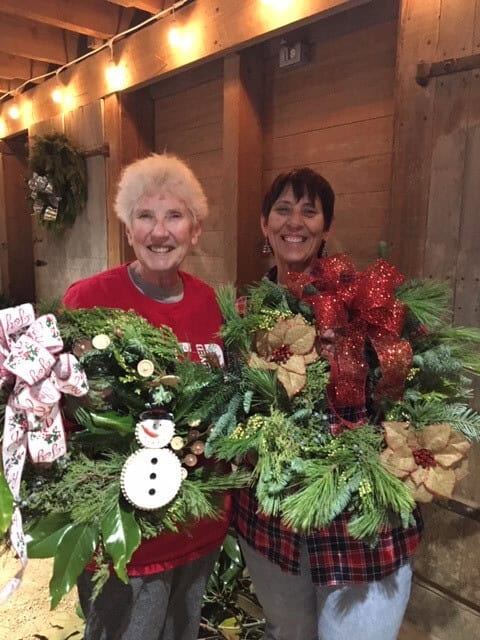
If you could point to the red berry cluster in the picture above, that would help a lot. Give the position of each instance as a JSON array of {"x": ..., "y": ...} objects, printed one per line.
[
  {"x": 424, "y": 458},
  {"x": 281, "y": 354}
]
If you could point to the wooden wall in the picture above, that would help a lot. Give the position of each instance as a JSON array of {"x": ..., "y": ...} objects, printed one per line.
[
  {"x": 335, "y": 114},
  {"x": 189, "y": 123},
  {"x": 81, "y": 250},
  {"x": 434, "y": 231}
]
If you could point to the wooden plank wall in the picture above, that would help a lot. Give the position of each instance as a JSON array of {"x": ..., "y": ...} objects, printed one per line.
[
  {"x": 189, "y": 123},
  {"x": 434, "y": 231},
  {"x": 335, "y": 114},
  {"x": 81, "y": 250}
]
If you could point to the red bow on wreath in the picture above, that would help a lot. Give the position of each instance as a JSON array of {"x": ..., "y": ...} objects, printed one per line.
[{"x": 358, "y": 306}]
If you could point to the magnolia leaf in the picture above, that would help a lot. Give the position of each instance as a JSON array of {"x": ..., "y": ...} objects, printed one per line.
[
  {"x": 6, "y": 505},
  {"x": 43, "y": 537},
  {"x": 232, "y": 549},
  {"x": 121, "y": 536},
  {"x": 75, "y": 549},
  {"x": 230, "y": 629}
]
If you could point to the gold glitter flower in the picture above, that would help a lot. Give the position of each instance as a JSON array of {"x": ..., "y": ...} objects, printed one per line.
[
  {"x": 287, "y": 349},
  {"x": 430, "y": 461}
]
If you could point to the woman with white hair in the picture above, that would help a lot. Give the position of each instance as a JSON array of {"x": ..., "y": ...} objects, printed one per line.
[{"x": 162, "y": 205}]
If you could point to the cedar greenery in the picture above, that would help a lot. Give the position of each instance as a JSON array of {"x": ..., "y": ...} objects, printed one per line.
[
  {"x": 76, "y": 506},
  {"x": 305, "y": 473}
]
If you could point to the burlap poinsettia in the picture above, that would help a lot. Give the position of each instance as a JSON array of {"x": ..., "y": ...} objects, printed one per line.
[
  {"x": 430, "y": 461},
  {"x": 287, "y": 348}
]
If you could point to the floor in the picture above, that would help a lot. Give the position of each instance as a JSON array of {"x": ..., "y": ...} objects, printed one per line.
[{"x": 409, "y": 632}]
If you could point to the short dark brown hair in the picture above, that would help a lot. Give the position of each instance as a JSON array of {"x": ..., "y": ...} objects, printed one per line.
[{"x": 303, "y": 181}]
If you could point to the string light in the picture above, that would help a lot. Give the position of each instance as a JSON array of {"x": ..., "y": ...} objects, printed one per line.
[
  {"x": 175, "y": 7},
  {"x": 57, "y": 96},
  {"x": 3, "y": 128},
  {"x": 14, "y": 112}
]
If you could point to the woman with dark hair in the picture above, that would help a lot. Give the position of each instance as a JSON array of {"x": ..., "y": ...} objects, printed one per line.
[{"x": 325, "y": 585}]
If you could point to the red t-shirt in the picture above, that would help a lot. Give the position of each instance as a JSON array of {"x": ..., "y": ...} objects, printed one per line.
[{"x": 195, "y": 321}]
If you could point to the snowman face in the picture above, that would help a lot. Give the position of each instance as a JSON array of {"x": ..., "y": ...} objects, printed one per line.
[
  {"x": 151, "y": 478},
  {"x": 155, "y": 432}
]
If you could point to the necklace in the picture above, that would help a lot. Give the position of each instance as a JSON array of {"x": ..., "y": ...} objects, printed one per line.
[{"x": 154, "y": 291}]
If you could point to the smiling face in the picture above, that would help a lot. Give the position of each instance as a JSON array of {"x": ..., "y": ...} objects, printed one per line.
[
  {"x": 161, "y": 233},
  {"x": 295, "y": 230}
]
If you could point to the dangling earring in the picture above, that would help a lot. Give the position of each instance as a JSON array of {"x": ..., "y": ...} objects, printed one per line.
[
  {"x": 267, "y": 248},
  {"x": 322, "y": 252}
]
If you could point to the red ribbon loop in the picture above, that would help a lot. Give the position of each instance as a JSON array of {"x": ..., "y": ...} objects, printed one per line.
[{"x": 358, "y": 307}]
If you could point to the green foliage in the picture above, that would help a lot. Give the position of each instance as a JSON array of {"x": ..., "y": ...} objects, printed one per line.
[
  {"x": 229, "y": 600},
  {"x": 428, "y": 301},
  {"x": 55, "y": 157},
  {"x": 6, "y": 505},
  {"x": 121, "y": 536},
  {"x": 303, "y": 471},
  {"x": 74, "y": 550}
]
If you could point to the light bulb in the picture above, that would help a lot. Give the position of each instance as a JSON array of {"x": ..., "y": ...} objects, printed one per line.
[
  {"x": 116, "y": 76},
  {"x": 3, "y": 129},
  {"x": 14, "y": 112},
  {"x": 57, "y": 95}
]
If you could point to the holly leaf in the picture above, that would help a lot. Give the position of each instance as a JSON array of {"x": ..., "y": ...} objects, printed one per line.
[
  {"x": 43, "y": 537},
  {"x": 121, "y": 536},
  {"x": 75, "y": 549},
  {"x": 6, "y": 505}
]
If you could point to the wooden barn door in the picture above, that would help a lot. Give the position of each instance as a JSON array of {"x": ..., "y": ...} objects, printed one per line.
[
  {"x": 18, "y": 282},
  {"x": 434, "y": 231}
]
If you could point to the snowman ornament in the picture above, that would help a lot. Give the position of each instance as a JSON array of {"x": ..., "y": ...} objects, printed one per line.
[{"x": 151, "y": 477}]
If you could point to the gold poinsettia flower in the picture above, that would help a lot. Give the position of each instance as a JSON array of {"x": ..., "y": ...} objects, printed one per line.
[
  {"x": 287, "y": 349},
  {"x": 430, "y": 461}
]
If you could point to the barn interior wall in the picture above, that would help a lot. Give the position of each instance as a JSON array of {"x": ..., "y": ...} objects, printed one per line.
[{"x": 81, "y": 250}]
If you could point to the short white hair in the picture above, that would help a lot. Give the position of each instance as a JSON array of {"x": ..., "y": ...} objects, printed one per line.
[{"x": 159, "y": 172}]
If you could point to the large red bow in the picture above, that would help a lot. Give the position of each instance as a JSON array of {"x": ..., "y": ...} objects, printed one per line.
[{"x": 360, "y": 307}]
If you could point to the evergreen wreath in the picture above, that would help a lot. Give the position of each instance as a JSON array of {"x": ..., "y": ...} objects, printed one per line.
[
  {"x": 282, "y": 391},
  {"x": 58, "y": 186},
  {"x": 76, "y": 506}
]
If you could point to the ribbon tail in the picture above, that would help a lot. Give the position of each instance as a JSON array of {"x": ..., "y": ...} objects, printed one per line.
[{"x": 17, "y": 539}]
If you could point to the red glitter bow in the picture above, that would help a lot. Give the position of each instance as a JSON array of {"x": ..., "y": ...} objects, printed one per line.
[{"x": 358, "y": 306}]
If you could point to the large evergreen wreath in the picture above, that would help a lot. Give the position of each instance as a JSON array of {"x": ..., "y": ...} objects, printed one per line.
[
  {"x": 394, "y": 353},
  {"x": 58, "y": 186}
]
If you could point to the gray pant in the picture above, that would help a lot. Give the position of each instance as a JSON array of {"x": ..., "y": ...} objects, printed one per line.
[
  {"x": 297, "y": 609},
  {"x": 163, "y": 606}
]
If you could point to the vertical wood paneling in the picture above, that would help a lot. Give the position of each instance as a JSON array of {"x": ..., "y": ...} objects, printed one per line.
[
  {"x": 82, "y": 250},
  {"x": 188, "y": 112},
  {"x": 406, "y": 229},
  {"x": 335, "y": 114}
]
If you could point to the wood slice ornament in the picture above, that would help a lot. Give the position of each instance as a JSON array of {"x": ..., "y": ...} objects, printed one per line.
[{"x": 151, "y": 477}]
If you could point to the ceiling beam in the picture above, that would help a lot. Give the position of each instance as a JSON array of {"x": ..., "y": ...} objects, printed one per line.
[
  {"x": 28, "y": 39},
  {"x": 12, "y": 67},
  {"x": 89, "y": 17},
  {"x": 150, "y": 6}
]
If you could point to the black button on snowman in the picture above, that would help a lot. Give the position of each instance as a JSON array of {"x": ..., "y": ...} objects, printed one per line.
[{"x": 151, "y": 477}]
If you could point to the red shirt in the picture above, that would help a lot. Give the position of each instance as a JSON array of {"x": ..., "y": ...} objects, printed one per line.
[{"x": 195, "y": 320}]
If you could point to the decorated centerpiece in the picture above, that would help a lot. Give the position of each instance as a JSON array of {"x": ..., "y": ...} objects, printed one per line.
[
  {"x": 104, "y": 405},
  {"x": 346, "y": 392}
]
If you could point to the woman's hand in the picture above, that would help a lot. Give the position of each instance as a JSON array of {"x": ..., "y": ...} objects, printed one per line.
[{"x": 326, "y": 343}]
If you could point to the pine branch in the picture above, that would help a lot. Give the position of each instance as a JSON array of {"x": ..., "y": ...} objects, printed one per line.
[{"x": 428, "y": 300}]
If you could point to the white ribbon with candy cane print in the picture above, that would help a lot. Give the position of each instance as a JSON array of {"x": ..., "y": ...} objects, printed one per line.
[{"x": 30, "y": 356}]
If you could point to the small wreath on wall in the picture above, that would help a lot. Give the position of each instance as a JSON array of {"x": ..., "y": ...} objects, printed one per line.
[{"x": 58, "y": 186}]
